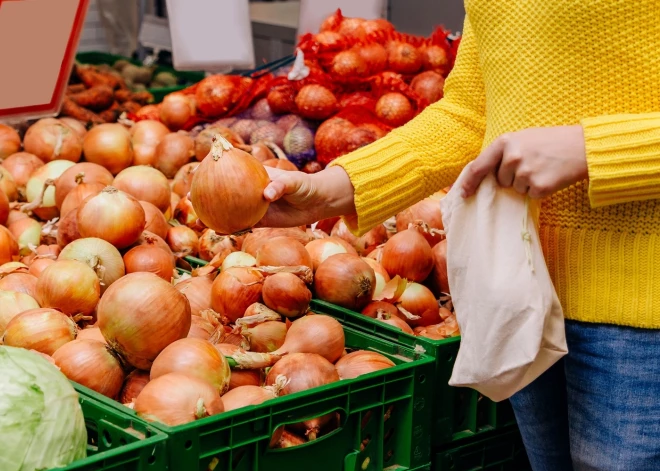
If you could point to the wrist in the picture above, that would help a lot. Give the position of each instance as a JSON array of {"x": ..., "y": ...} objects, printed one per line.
[{"x": 335, "y": 191}]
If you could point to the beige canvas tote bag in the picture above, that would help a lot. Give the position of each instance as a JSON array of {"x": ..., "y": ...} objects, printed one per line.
[{"x": 511, "y": 322}]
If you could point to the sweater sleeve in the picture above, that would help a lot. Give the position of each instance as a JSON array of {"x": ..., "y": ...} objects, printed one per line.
[
  {"x": 425, "y": 155},
  {"x": 623, "y": 157}
]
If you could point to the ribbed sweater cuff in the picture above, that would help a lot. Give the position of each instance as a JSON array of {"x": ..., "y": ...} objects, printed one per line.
[
  {"x": 386, "y": 178},
  {"x": 623, "y": 156}
]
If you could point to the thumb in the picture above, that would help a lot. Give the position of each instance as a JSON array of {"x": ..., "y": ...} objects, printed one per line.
[{"x": 282, "y": 185}]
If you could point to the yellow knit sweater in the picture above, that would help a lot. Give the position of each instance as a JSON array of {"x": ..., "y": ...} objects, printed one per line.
[{"x": 537, "y": 63}]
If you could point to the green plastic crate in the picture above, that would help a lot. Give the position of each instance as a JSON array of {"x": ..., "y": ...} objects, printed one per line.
[
  {"x": 118, "y": 442},
  {"x": 458, "y": 412},
  {"x": 501, "y": 451},
  {"x": 185, "y": 78},
  {"x": 385, "y": 423}
]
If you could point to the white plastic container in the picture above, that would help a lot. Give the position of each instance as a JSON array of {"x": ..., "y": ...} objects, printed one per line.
[{"x": 313, "y": 12}]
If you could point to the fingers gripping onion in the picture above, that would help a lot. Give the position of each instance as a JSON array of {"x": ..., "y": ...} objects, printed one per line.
[
  {"x": 321, "y": 249},
  {"x": 316, "y": 333},
  {"x": 198, "y": 292},
  {"x": 12, "y": 304},
  {"x": 361, "y": 362},
  {"x": 408, "y": 255},
  {"x": 99, "y": 255},
  {"x": 158, "y": 316},
  {"x": 177, "y": 399},
  {"x": 286, "y": 294},
  {"x": 92, "y": 364},
  {"x": 345, "y": 280},
  {"x": 133, "y": 386},
  {"x": 194, "y": 357},
  {"x": 67, "y": 181},
  {"x": 70, "y": 286},
  {"x": 233, "y": 179},
  {"x": 44, "y": 330},
  {"x": 235, "y": 290},
  {"x": 283, "y": 252},
  {"x": 150, "y": 259},
  {"x": 109, "y": 145},
  {"x": 112, "y": 215},
  {"x": 145, "y": 184}
]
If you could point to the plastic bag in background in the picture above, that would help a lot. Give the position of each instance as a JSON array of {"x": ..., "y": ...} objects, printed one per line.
[
  {"x": 511, "y": 322},
  {"x": 120, "y": 22}
]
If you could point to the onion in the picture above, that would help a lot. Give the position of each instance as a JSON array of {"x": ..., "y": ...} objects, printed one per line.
[
  {"x": 183, "y": 179},
  {"x": 174, "y": 200},
  {"x": 19, "y": 282},
  {"x": 194, "y": 357},
  {"x": 234, "y": 290},
  {"x": 145, "y": 137},
  {"x": 408, "y": 255},
  {"x": 198, "y": 292},
  {"x": 27, "y": 232},
  {"x": 382, "y": 277},
  {"x": 200, "y": 328},
  {"x": 91, "y": 333},
  {"x": 321, "y": 249},
  {"x": 316, "y": 102},
  {"x": 155, "y": 221},
  {"x": 403, "y": 58},
  {"x": 419, "y": 301},
  {"x": 112, "y": 215},
  {"x": 304, "y": 371},
  {"x": 345, "y": 280},
  {"x": 76, "y": 126},
  {"x": 109, "y": 145},
  {"x": 260, "y": 151},
  {"x": 438, "y": 280},
  {"x": 429, "y": 85},
  {"x": 38, "y": 266},
  {"x": 283, "y": 252},
  {"x": 236, "y": 179},
  {"x": 92, "y": 364},
  {"x": 79, "y": 194},
  {"x": 21, "y": 166},
  {"x": 380, "y": 307},
  {"x": 448, "y": 328},
  {"x": 244, "y": 396},
  {"x": 69, "y": 286},
  {"x": 395, "y": 321},
  {"x": 151, "y": 239},
  {"x": 426, "y": 211},
  {"x": 133, "y": 386},
  {"x": 99, "y": 255},
  {"x": 145, "y": 184},
  {"x": 13, "y": 303},
  {"x": 50, "y": 139},
  {"x": 44, "y": 201},
  {"x": 266, "y": 337},
  {"x": 67, "y": 229},
  {"x": 435, "y": 57},
  {"x": 316, "y": 333},
  {"x": 8, "y": 185},
  {"x": 238, "y": 259},
  {"x": 281, "y": 164},
  {"x": 8, "y": 246},
  {"x": 394, "y": 109},
  {"x": 4, "y": 208},
  {"x": 185, "y": 214},
  {"x": 43, "y": 251},
  {"x": 182, "y": 240},
  {"x": 360, "y": 363},
  {"x": 174, "y": 151},
  {"x": 67, "y": 181},
  {"x": 10, "y": 141},
  {"x": 140, "y": 315},
  {"x": 150, "y": 259},
  {"x": 13, "y": 267},
  {"x": 239, "y": 377},
  {"x": 375, "y": 56},
  {"x": 365, "y": 244},
  {"x": 177, "y": 399},
  {"x": 15, "y": 215},
  {"x": 44, "y": 330},
  {"x": 259, "y": 236},
  {"x": 286, "y": 294},
  {"x": 204, "y": 140},
  {"x": 211, "y": 244},
  {"x": 176, "y": 109}
]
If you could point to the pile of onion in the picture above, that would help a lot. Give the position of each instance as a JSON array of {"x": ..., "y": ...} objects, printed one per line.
[
  {"x": 345, "y": 280},
  {"x": 233, "y": 180}
]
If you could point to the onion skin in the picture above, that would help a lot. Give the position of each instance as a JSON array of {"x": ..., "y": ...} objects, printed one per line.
[
  {"x": 200, "y": 328},
  {"x": 185, "y": 214},
  {"x": 50, "y": 139},
  {"x": 438, "y": 281},
  {"x": 283, "y": 252},
  {"x": 183, "y": 179},
  {"x": 194, "y": 357},
  {"x": 176, "y": 109},
  {"x": 345, "y": 280},
  {"x": 177, "y": 399},
  {"x": 109, "y": 145},
  {"x": 198, "y": 292},
  {"x": 408, "y": 255},
  {"x": 361, "y": 362},
  {"x": 319, "y": 334},
  {"x": 419, "y": 300},
  {"x": 150, "y": 259},
  {"x": 92, "y": 364},
  {"x": 19, "y": 282},
  {"x": 224, "y": 177},
  {"x": 382, "y": 277},
  {"x": 21, "y": 166},
  {"x": 365, "y": 244},
  {"x": 112, "y": 215},
  {"x": 13, "y": 303},
  {"x": 375, "y": 307},
  {"x": 98, "y": 254},
  {"x": 158, "y": 316},
  {"x": 91, "y": 333},
  {"x": 266, "y": 337},
  {"x": 79, "y": 194},
  {"x": 10, "y": 141},
  {"x": 429, "y": 85},
  {"x": 69, "y": 286},
  {"x": 286, "y": 294},
  {"x": 76, "y": 126},
  {"x": 211, "y": 244},
  {"x": 427, "y": 211},
  {"x": 235, "y": 290},
  {"x": 44, "y": 330},
  {"x": 92, "y": 173},
  {"x": 238, "y": 259},
  {"x": 8, "y": 246},
  {"x": 259, "y": 236},
  {"x": 244, "y": 396},
  {"x": 145, "y": 137},
  {"x": 133, "y": 385},
  {"x": 239, "y": 377},
  {"x": 27, "y": 232},
  {"x": 321, "y": 249},
  {"x": 182, "y": 240},
  {"x": 154, "y": 220},
  {"x": 305, "y": 370},
  {"x": 204, "y": 140},
  {"x": 35, "y": 185},
  {"x": 145, "y": 184},
  {"x": 396, "y": 322},
  {"x": 67, "y": 229},
  {"x": 174, "y": 151}
]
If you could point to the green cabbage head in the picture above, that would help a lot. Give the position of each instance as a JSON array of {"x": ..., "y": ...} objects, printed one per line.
[{"x": 41, "y": 421}]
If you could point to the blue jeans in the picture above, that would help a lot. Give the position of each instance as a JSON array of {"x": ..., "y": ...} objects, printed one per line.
[{"x": 599, "y": 408}]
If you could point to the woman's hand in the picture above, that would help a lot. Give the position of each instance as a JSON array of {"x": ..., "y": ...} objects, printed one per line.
[
  {"x": 536, "y": 161},
  {"x": 299, "y": 198}
]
